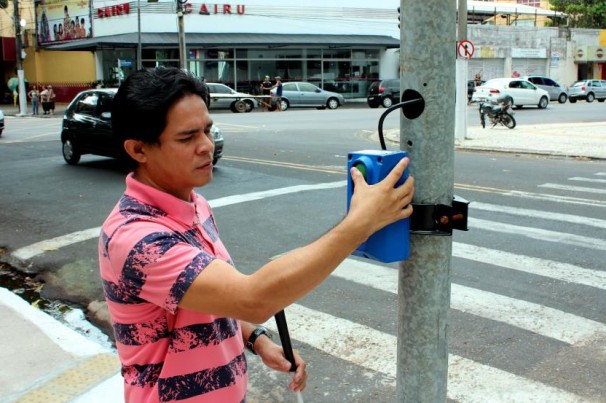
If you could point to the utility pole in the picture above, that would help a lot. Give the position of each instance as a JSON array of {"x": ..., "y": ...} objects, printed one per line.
[
  {"x": 19, "y": 61},
  {"x": 462, "y": 72},
  {"x": 139, "y": 35},
  {"x": 427, "y": 69},
  {"x": 182, "y": 48}
]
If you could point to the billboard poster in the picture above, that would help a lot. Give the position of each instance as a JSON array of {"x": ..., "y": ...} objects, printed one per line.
[{"x": 63, "y": 20}]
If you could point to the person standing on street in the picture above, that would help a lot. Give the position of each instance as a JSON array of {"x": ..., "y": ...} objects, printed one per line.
[
  {"x": 34, "y": 96},
  {"x": 266, "y": 87},
  {"x": 182, "y": 313},
  {"x": 278, "y": 95}
]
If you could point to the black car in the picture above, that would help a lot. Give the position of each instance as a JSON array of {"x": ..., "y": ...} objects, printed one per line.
[
  {"x": 87, "y": 128},
  {"x": 384, "y": 92}
]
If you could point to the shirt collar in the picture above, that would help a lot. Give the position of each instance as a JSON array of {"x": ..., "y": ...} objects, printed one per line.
[{"x": 176, "y": 208}]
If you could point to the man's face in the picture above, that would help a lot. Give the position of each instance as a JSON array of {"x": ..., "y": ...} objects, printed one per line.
[{"x": 183, "y": 159}]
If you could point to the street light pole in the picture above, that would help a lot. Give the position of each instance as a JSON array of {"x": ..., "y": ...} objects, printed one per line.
[
  {"x": 182, "y": 49},
  {"x": 139, "y": 35},
  {"x": 19, "y": 60}
]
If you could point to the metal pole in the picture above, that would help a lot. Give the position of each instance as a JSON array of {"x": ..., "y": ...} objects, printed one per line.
[
  {"x": 427, "y": 66},
  {"x": 462, "y": 72},
  {"x": 139, "y": 63},
  {"x": 182, "y": 49},
  {"x": 19, "y": 61}
]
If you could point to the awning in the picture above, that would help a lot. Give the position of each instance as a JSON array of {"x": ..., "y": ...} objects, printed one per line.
[{"x": 203, "y": 40}]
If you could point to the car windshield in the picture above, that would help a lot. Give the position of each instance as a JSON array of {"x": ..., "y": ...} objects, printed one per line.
[{"x": 578, "y": 84}]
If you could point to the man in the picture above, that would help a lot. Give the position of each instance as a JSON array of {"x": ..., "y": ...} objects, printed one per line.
[
  {"x": 266, "y": 87},
  {"x": 180, "y": 310},
  {"x": 278, "y": 95}
]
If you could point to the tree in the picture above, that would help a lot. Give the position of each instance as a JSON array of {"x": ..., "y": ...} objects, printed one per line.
[{"x": 583, "y": 13}]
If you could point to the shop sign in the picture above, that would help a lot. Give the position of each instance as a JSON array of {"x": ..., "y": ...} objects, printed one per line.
[
  {"x": 113, "y": 11},
  {"x": 580, "y": 55},
  {"x": 525, "y": 53},
  {"x": 208, "y": 9}
]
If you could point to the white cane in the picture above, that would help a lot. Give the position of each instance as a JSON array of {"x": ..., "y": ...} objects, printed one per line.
[{"x": 286, "y": 345}]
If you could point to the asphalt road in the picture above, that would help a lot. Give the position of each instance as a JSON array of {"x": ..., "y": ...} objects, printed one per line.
[{"x": 528, "y": 313}]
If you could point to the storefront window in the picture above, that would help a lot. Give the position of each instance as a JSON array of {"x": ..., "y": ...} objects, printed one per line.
[
  {"x": 336, "y": 54},
  {"x": 348, "y": 72}
]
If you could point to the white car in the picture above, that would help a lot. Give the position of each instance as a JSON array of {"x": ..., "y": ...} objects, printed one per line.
[
  {"x": 224, "y": 97},
  {"x": 520, "y": 92}
]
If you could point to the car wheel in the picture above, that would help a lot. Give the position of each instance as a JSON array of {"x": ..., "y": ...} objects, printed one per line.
[
  {"x": 572, "y": 100},
  {"x": 249, "y": 105},
  {"x": 332, "y": 103},
  {"x": 543, "y": 102},
  {"x": 1, "y": 132},
  {"x": 239, "y": 107},
  {"x": 215, "y": 160},
  {"x": 590, "y": 97},
  {"x": 562, "y": 98},
  {"x": 284, "y": 104},
  {"x": 71, "y": 155},
  {"x": 599, "y": 100},
  {"x": 387, "y": 102}
]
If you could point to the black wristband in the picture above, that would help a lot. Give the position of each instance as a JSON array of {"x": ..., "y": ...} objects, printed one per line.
[{"x": 250, "y": 344}]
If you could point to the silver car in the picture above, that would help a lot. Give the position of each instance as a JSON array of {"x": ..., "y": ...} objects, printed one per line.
[
  {"x": 557, "y": 92},
  {"x": 587, "y": 90},
  {"x": 224, "y": 97},
  {"x": 303, "y": 94}
]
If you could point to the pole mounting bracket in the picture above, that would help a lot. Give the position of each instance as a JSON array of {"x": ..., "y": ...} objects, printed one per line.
[{"x": 439, "y": 219}]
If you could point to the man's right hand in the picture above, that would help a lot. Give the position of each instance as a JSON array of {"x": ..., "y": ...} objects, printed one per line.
[{"x": 376, "y": 206}]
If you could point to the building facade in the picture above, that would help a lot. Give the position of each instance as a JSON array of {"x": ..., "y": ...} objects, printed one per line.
[{"x": 340, "y": 47}]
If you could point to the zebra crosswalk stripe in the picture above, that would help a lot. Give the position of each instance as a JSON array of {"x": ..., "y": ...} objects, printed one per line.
[{"x": 468, "y": 381}]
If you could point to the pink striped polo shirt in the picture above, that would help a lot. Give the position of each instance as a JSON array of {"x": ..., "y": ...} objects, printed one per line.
[{"x": 151, "y": 248}]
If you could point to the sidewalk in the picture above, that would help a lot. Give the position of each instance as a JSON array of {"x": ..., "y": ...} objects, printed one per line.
[
  {"x": 45, "y": 361},
  {"x": 575, "y": 140}
]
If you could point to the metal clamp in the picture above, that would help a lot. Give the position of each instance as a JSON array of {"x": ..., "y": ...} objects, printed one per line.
[{"x": 439, "y": 219}]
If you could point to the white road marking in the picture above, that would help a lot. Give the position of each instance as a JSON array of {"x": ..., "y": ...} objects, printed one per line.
[
  {"x": 579, "y": 179},
  {"x": 572, "y": 188},
  {"x": 533, "y": 265},
  {"x": 536, "y": 318},
  {"x": 38, "y": 248},
  {"x": 468, "y": 381},
  {"x": 555, "y": 198},
  {"x": 540, "y": 214},
  {"x": 539, "y": 234}
]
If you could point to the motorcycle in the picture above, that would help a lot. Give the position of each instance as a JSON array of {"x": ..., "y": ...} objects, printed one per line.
[{"x": 497, "y": 112}]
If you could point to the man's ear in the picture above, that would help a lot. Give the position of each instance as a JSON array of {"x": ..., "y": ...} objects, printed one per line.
[{"x": 134, "y": 148}]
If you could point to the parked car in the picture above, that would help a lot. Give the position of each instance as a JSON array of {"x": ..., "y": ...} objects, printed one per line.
[
  {"x": 87, "y": 128},
  {"x": 1, "y": 122},
  {"x": 471, "y": 88},
  {"x": 587, "y": 90},
  {"x": 303, "y": 94},
  {"x": 556, "y": 91},
  {"x": 520, "y": 92},
  {"x": 384, "y": 92},
  {"x": 224, "y": 97}
]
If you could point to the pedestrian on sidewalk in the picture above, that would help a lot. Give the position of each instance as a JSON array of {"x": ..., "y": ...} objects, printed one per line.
[
  {"x": 34, "y": 96},
  {"x": 182, "y": 313}
]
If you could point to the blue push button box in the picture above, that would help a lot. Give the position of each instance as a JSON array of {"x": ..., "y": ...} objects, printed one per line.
[{"x": 392, "y": 243}]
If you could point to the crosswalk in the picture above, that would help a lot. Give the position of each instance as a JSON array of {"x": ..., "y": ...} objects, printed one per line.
[{"x": 334, "y": 334}]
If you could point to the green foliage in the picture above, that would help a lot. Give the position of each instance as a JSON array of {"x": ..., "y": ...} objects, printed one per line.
[
  {"x": 3, "y": 3},
  {"x": 583, "y": 13}
]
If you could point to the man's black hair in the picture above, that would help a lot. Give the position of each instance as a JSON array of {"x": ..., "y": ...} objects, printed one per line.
[{"x": 142, "y": 102}]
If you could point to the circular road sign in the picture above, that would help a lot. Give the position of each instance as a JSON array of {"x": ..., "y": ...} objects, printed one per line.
[{"x": 465, "y": 49}]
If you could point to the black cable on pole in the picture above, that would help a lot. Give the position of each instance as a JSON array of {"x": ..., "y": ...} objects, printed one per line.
[{"x": 387, "y": 112}]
